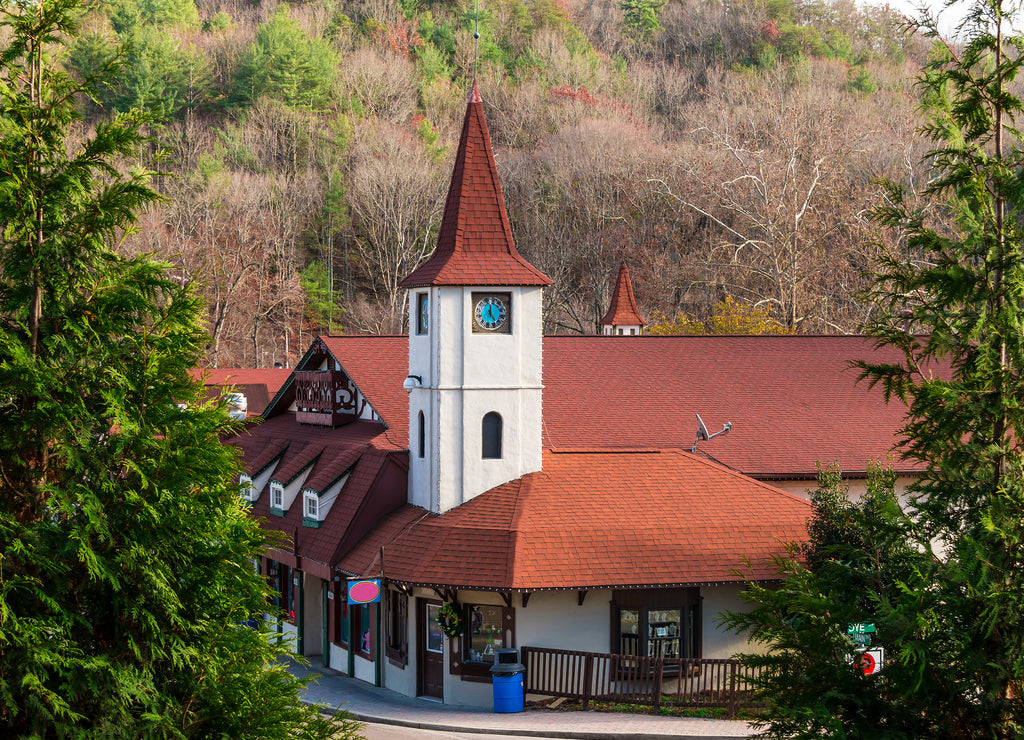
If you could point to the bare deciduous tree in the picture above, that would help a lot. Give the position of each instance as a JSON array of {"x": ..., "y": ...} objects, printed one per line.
[
  {"x": 775, "y": 182},
  {"x": 395, "y": 194}
]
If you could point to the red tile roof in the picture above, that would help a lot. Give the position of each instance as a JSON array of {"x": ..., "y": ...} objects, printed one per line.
[
  {"x": 258, "y": 386},
  {"x": 793, "y": 401},
  {"x": 360, "y": 447},
  {"x": 594, "y": 519},
  {"x": 475, "y": 245},
  {"x": 378, "y": 366},
  {"x": 623, "y": 311}
]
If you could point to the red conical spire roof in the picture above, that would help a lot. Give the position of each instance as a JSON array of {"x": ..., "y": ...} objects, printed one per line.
[
  {"x": 623, "y": 310},
  {"x": 475, "y": 246}
]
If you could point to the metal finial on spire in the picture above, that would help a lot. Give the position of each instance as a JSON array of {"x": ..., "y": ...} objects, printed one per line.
[{"x": 476, "y": 42}]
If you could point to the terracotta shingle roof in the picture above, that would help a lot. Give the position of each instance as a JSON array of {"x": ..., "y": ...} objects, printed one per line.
[
  {"x": 360, "y": 447},
  {"x": 599, "y": 519},
  {"x": 475, "y": 245},
  {"x": 623, "y": 311},
  {"x": 793, "y": 401},
  {"x": 378, "y": 365},
  {"x": 258, "y": 386}
]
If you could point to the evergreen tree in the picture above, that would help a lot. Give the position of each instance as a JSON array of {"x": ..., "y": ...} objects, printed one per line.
[
  {"x": 126, "y": 560},
  {"x": 284, "y": 63},
  {"x": 947, "y": 592},
  {"x": 160, "y": 76},
  {"x": 641, "y": 17},
  {"x": 965, "y": 290},
  {"x": 859, "y": 565}
]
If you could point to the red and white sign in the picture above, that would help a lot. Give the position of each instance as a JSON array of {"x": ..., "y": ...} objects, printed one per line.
[{"x": 870, "y": 661}]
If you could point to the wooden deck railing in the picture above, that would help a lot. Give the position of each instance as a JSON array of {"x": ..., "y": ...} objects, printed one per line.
[{"x": 647, "y": 681}]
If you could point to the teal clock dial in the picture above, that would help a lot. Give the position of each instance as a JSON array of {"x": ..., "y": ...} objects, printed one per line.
[{"x": 491, "y": 313}]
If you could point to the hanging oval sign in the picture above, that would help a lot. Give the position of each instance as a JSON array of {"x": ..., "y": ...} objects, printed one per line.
[{"x": 364, "y": 592}]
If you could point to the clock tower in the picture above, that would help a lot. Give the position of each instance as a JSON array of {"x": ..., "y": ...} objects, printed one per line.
[{"x": 475, "y": 341}]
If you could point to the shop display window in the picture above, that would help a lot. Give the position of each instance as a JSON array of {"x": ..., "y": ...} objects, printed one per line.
[{"x": 484, "y": 633}]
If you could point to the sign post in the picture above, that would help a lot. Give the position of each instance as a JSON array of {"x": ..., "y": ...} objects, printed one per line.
[{"x": 870, "y": 661}]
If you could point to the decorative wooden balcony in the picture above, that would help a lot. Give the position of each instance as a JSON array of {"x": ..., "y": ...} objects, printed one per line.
[{"x": 324, "y": 398}]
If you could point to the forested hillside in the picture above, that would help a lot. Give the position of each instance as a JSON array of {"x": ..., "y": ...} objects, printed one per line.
[{"x": 719, "y": 149}]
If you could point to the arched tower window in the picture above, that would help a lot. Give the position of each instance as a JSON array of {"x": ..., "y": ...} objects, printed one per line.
[
  {"x": 492, "y": 435},
  {"x": 422, "y": 430}
]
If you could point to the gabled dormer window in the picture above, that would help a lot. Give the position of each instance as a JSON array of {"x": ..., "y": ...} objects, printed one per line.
[
  {"x": 277, "y": 498},
  {"x": 249, "y": 491},
  {"x": 316, "y": 505},
  {"x": 310, "y": 508}
]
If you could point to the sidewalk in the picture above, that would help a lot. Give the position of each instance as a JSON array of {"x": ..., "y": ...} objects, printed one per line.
[{"x": 383, "y": 706}]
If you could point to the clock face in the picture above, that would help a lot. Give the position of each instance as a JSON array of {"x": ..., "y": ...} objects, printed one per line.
[{"x": 491, "y": 313}]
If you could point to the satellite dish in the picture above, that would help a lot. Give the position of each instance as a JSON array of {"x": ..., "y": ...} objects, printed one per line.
[{"x": 702, "y": 432}]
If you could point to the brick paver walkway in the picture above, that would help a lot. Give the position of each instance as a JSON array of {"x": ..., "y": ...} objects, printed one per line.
[{"x": 372, "y": 704}]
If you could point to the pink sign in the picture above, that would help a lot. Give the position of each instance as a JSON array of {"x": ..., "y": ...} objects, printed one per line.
[{"x": 364, "y": 592}]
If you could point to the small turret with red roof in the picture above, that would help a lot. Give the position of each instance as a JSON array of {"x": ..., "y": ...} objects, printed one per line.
[{"x": 623, "y": 316}]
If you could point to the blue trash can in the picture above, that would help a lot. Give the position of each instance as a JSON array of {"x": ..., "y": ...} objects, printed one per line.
[{"x": 507, "y": 680}]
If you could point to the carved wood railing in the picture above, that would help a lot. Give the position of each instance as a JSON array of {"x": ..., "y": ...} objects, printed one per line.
[
  {"x": 324, "y": 398},
  {"x": 651, "y": 681}
]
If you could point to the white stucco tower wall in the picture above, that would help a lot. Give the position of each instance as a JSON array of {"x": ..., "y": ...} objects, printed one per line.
[{"x": 464, "y": 375}]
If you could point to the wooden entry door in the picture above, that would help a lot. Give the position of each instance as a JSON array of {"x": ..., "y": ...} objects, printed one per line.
[{"x": 429, "y": 649}]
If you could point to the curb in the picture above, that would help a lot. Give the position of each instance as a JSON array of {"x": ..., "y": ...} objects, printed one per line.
[{"x": 517, "y": 732}]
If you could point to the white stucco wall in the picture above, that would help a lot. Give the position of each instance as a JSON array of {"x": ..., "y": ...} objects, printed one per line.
[
  {"x": 857, "y": 487},
  {"x": 555, "y": 619},
  {"x": 363, "y": 669},
  {"x": 465, "y": 375},
  {"x": 403, "y": 680},
  {"x": 338, "y": 658},
  {"x": 718, "y": 642},
  {"x": 289, "y": 634}
]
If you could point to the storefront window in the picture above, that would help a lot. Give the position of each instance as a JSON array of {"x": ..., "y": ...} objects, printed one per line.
[
  {"x": 484, "y": 633},
  {"x": 289, "y": 576},
  {"x": 658, "y": 629},
  {"x": 664, "y": 630},
  {"x": 629, "y": 632},
  {"x": 281, "y": 578}
]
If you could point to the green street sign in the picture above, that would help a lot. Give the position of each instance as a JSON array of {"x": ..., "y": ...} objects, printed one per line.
[
  {"x": 859, "y": 638},
  {"x": 860, "y": 628}
]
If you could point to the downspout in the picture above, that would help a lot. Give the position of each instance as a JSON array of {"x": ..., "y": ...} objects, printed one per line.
[
  {"x": 300, "y": 609},
  {"x": 324, "y": 617}
]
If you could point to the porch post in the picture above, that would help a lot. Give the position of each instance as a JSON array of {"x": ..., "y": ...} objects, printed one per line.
[
  {"x": 300, "y": 609},
  {"x": 378, "y": 664}
]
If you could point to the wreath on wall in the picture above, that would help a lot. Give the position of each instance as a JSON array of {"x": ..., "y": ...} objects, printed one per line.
[{"x": 450, "y": 619}]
